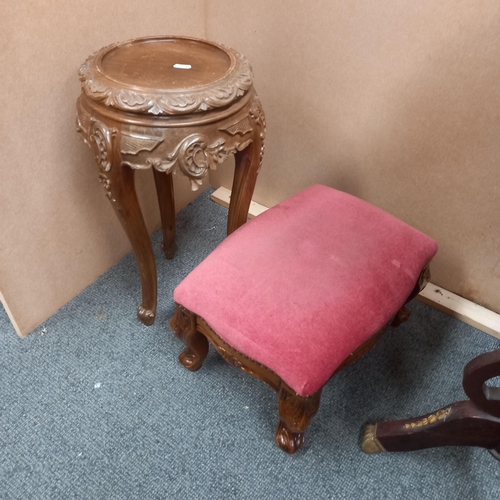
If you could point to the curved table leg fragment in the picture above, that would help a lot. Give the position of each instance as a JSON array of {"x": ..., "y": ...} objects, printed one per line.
[{"x": 465, "y": 423}]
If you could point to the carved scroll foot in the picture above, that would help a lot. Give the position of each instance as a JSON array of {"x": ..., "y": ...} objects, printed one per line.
[
  {"x": 147, "y": 316},
  {"x": 287, "y": 440},
  {"x": 184, "y": 326},
  {"x": 401, "y": 316},
  {"x": 295, "y": 414}
]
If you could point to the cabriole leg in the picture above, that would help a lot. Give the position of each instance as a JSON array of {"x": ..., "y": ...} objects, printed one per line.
[
  {"x": 184, "y": 326},
  {"x": 295, "y": 414}
]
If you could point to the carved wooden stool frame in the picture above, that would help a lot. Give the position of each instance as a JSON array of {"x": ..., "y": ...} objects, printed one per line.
[{"x": 295, "y": 411}]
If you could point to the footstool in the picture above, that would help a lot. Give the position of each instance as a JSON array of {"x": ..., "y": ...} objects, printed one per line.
[{"x": 300, "y": 292}]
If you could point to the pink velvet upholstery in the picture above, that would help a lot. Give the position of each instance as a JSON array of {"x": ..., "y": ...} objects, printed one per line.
[{"x": 304, "y": 284}]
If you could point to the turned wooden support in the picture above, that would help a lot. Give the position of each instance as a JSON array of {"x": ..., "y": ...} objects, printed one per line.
[{"x": 465, "y": 423}]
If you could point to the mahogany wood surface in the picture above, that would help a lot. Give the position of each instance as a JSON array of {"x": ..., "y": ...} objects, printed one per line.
[
  {"x": 169, "y": 103},
  {"x": 465, "y": 423},
  {"x": 295, "y": 411}
]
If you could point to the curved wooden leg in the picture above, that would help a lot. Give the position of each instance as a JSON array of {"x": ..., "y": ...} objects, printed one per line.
[
  {"x": 466, "y": 423},
  {"x": 460, "y": 424},
  {"x": 165, "y": 191},
  {"x": 295, "y": 414},
  {"x": 184, "y": 326},
  {"x": 118, "y": 183},
  {"x": 119, "y": 186},
  {"x": 247, "y": 166},
  {"x": 401, "y": 316}
]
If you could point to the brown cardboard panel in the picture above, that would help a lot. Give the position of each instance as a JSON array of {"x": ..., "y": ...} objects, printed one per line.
[
  {"x": 58, "y": 232},
  {"x": 394, "y": 101}
]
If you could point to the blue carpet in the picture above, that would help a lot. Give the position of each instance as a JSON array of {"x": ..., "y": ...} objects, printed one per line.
[{"x": 94, "y": 405}]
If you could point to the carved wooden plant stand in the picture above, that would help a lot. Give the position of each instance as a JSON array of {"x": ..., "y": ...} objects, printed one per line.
[
  {"x": 466, "y": 423},
  {"x": 169, "y": 103},
  {"x": 295, "y": 411}
]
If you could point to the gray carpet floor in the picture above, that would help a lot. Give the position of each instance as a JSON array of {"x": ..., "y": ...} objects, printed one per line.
[{"x": 94, "y": 405}]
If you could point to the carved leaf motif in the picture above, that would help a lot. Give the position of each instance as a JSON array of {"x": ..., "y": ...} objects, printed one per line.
[
  {"x": 131, "y": 98},
  {"x": 97, "y": 86},
  {"x": 132, "y": 145},
  {"x": 242, "y": 127}
]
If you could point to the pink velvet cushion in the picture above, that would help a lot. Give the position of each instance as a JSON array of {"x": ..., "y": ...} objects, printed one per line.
[{"x": 304, "y": 284}]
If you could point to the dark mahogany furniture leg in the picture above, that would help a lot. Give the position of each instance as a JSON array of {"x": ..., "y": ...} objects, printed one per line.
[
  {"x": 295, "y": 411},
  {"x": 466, "y": 423},
  {"x": 165, "y": 191}
]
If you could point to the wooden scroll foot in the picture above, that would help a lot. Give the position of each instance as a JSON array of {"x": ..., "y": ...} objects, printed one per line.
[
  {"x": 401, "y": 316},
  {"x": 147, "y": 316},
  {"x": 184, "y": 326},
  {"x": 295, "y": 414},
  {"x": 466, "y": 423}
]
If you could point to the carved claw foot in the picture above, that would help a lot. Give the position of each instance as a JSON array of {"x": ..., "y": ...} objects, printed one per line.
[
  {"x": 401, "y": 316},
  {"x": 287, "y": 440},
  {"x": 169, "y": 251},
  {"x": 147, "y": 316},
  {"x": 190, "y": 360}
]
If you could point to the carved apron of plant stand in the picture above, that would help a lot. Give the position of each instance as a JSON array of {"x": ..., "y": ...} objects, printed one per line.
[{"x": 189, "y": 129}]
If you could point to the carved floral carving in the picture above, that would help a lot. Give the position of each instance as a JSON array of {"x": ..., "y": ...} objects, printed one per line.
[
  {"x": 157, "y": 102},
  {"x": 102, "y": 137},
  {"x": 194, "y": 156},
  {"x": 257, "y": 113}
]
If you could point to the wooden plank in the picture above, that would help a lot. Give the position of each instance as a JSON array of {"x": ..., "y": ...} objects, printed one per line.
[
  {"x": 222, "y": 196},
  {"x": 10, "y": 315},
  {"x": 473, "y": 314}
]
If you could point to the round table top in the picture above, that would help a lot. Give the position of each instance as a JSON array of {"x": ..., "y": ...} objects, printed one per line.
[{"x": 166, "y": 75}]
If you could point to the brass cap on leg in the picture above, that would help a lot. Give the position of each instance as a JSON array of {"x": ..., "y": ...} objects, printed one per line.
[{"x": 370, "y": 443}]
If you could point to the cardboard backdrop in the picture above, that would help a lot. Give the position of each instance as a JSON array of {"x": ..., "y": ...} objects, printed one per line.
[
  {"x": 394, "y": 101},
  {"x": 58, "y": 231}
]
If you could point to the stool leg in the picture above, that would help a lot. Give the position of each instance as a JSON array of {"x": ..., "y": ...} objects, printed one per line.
[
  {"x": 166, "y": 201},
  {"x": 184, "y": 326},
  {"x": 295, "y": 414}
]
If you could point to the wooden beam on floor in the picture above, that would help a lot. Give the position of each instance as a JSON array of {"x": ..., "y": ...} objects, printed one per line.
[{"x": 473, "y": 314}]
